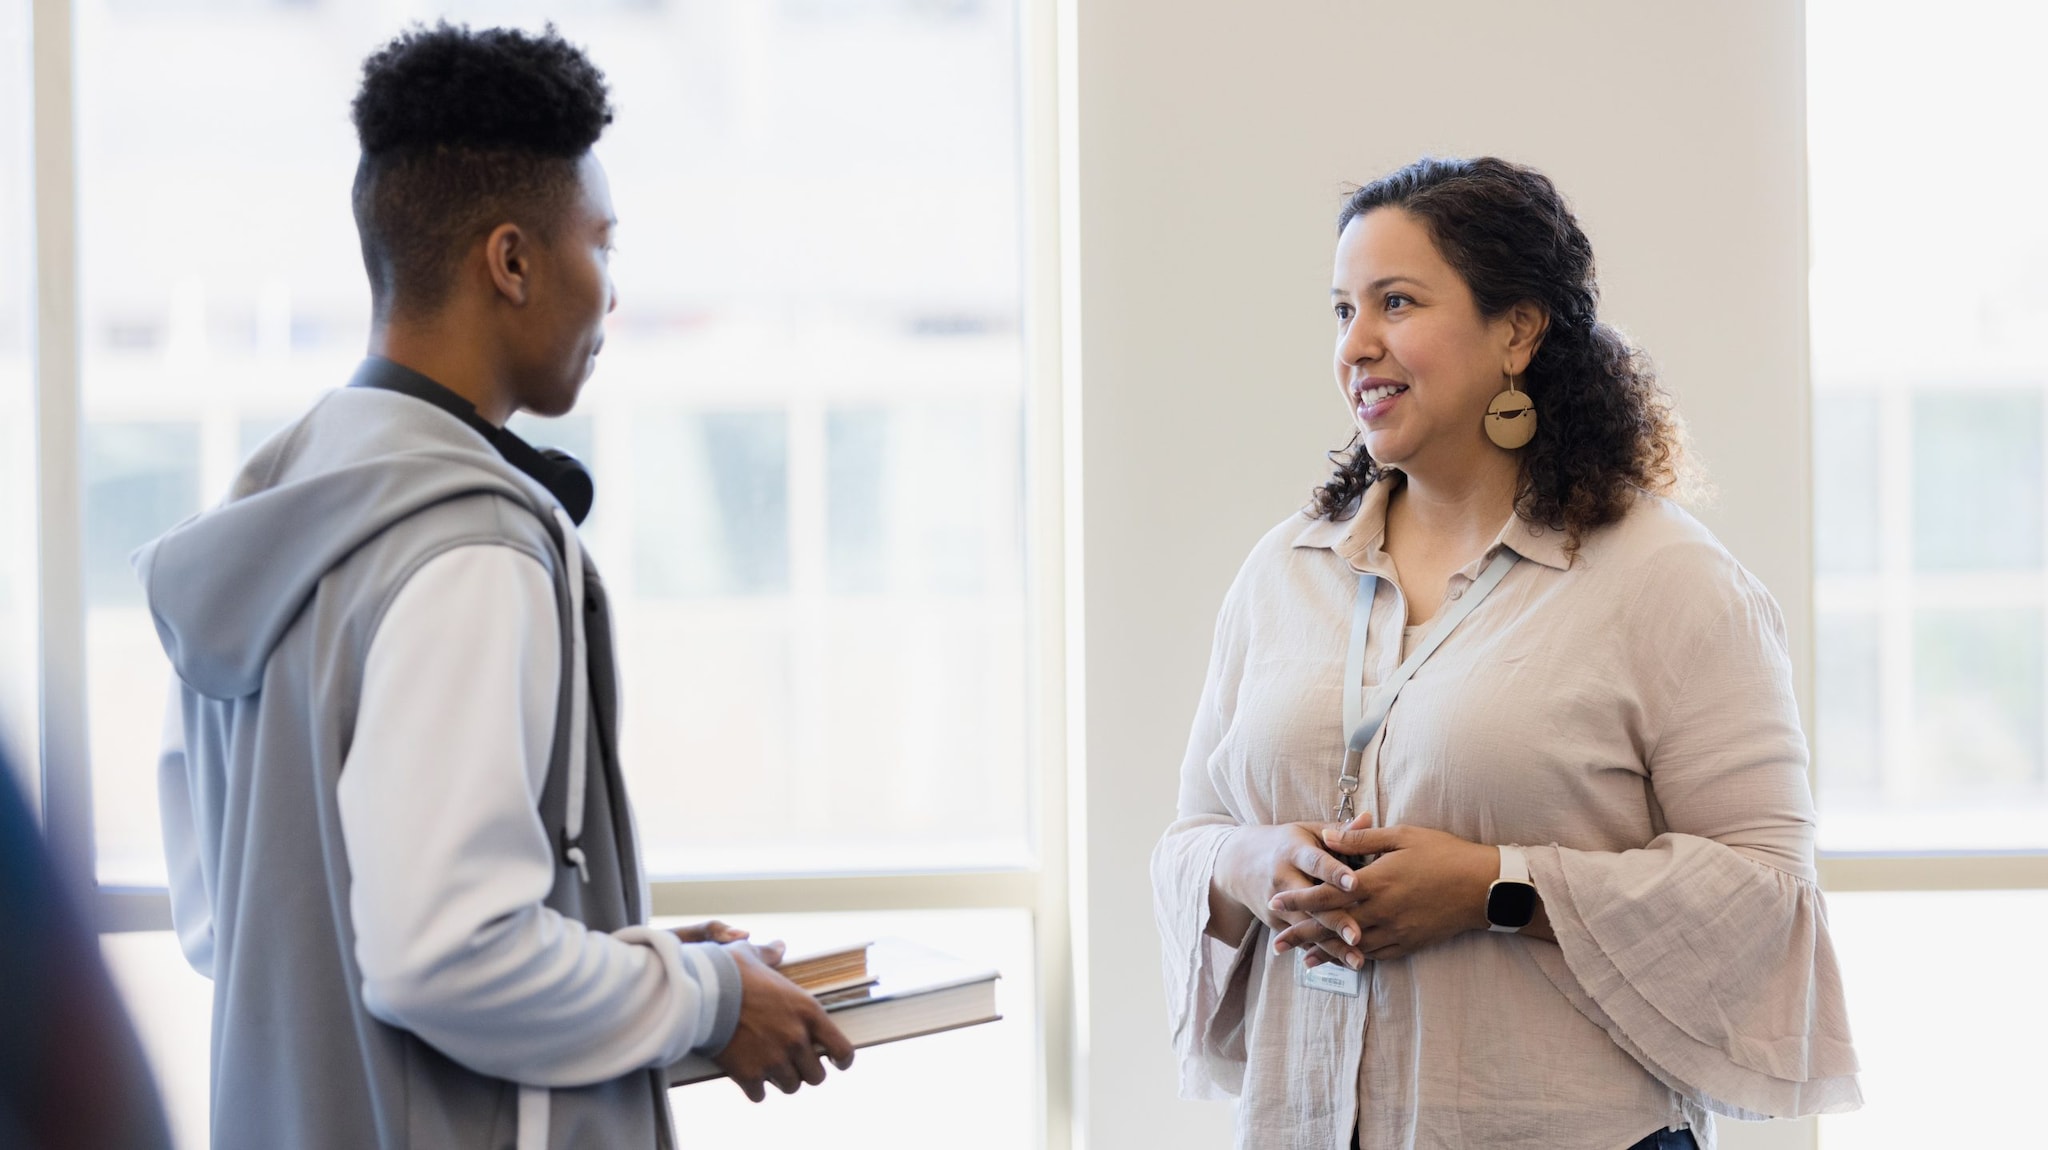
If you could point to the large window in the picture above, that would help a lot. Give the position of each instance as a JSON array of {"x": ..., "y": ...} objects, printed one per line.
[
  {"x": 811, "y": 432},
  {"x": 1930, "y": 416},
  {"x": 807, "y": 427},
  {"x": 1930, "y": 369}
]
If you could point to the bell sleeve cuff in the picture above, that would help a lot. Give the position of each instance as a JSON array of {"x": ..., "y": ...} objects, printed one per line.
[
  {"x": 1711, "y": 969},
  {"x": 1207, "y": 980}
]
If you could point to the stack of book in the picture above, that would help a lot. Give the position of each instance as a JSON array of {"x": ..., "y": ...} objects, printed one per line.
[{"x": 878, "y": 992}]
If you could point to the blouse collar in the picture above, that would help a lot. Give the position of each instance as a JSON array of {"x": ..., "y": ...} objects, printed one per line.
[{"x": 1360, "y": 539}]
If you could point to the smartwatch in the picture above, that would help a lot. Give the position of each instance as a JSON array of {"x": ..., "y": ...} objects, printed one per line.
[{"x": 1511, "y": 900}]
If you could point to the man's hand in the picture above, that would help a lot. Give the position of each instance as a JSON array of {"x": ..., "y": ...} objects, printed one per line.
[
  {"x": 1425, "y": 886},
  {"x": 716, "y": 931},
  {"x": 782, "y": 1031}
]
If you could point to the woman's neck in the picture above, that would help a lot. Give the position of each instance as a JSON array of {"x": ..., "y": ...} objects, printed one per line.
[{"x": 1460, "y": 510}]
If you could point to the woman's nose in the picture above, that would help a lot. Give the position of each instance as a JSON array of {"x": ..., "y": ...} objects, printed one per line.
[{"x": 1360, "y": 344}]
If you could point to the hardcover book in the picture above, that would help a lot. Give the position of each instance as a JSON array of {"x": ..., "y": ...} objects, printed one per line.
[{"x": 880, "y": 992}]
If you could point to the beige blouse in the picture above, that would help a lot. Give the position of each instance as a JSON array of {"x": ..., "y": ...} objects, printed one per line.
[{"x": 1627, "y": 717}]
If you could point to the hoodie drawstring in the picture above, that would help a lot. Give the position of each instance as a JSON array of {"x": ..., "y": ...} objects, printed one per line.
[
  {"x": 534, "y": 1118},
  {"x": 579, "y": 701}
]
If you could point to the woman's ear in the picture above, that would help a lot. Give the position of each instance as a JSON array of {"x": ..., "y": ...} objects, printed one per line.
[
  {"x": 508, "y": 257},
  {"x": 1527, "y": 322}
]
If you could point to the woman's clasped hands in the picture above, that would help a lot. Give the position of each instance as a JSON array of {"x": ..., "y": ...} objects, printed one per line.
[{"x": 1423, "y": 887}]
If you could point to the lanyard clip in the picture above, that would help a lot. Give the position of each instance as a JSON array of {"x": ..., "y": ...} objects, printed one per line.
[{"x": 1347, "y": 785}]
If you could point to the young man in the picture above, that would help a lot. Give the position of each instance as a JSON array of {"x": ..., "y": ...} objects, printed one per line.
[{"x": 398, "y": 833}]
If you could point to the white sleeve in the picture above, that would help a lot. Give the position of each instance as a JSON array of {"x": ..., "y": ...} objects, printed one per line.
[
  {"x": 191, "y": 901},
  {"x": 450, "y": 862}
]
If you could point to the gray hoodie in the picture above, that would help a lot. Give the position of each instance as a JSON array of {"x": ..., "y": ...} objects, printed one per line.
[{"x": 267, "y": 606}]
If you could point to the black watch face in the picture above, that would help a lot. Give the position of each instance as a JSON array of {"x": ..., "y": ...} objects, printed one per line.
[{"x": 1511, "y": 904}]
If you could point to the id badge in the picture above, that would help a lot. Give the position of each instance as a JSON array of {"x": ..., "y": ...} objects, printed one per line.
[{"x": 1333, "y": 977}]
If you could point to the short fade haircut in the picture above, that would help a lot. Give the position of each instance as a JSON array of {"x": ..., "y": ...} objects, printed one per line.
[{"x": 462, "y": 131}]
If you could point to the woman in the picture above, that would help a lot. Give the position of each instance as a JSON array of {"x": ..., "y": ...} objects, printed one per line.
[{"x": 1563, "y": 682}]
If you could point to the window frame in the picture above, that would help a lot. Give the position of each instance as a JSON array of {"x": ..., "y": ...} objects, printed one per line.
[
  {"x": 1867, "y": 871},
  {"x": 60, "y": 783}
]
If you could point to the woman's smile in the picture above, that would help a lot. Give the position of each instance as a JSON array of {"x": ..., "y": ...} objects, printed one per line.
[{"x": 1372, "y": 397}]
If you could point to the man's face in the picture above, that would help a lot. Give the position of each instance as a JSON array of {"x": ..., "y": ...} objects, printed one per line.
[{"x": 561, "y": 330}]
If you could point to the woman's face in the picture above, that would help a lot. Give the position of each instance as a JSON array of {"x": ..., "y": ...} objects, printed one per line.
[{"x": 1416, "y": 362}]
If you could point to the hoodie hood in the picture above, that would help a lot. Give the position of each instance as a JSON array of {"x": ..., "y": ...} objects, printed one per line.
[{"x": 224, "y": 585}]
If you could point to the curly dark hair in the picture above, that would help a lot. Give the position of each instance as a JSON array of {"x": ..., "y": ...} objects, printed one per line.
[
  {"x": 461, "y": 131},
  {"x": 1605, "y": 429}
]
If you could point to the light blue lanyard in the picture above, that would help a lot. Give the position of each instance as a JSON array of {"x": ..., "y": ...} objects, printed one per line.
[{"x": 1363, "y": 719}]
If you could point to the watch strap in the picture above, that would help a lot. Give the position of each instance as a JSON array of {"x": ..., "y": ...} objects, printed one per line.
[{"x": 1514, "y": 865}]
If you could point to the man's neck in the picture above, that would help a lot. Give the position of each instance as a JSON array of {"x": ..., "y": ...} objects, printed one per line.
[{"x": 448, "y": 357}]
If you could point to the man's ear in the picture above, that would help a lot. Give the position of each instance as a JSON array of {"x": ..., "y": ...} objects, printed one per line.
[
  {"x": 1527, "y": 322},
  {"x": 508, "y": 257}
]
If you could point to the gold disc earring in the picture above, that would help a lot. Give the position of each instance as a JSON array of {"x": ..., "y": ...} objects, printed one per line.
[{"x": 1511, "y": 418}]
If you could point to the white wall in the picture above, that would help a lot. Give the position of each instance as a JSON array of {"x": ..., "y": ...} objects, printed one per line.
[{"x": 1213, "y": 140}]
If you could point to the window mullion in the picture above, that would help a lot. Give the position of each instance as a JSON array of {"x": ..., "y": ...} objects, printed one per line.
[
  {"x": 2016, "y": 870},
  {"x": 66, "y": 797},
  {"x": 808, "y": 893},
  {"x": 1049, "y": 502},
  {"x": 122, "y": 909}
]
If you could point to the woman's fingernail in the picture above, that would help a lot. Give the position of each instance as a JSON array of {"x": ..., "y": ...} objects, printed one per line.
[
  {"x": 1281, "y": 944},
  {"x": 1355, "y": 961},
  {"x": 1351, "y": 935},
  {"x": 1344, "y": 881}
]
